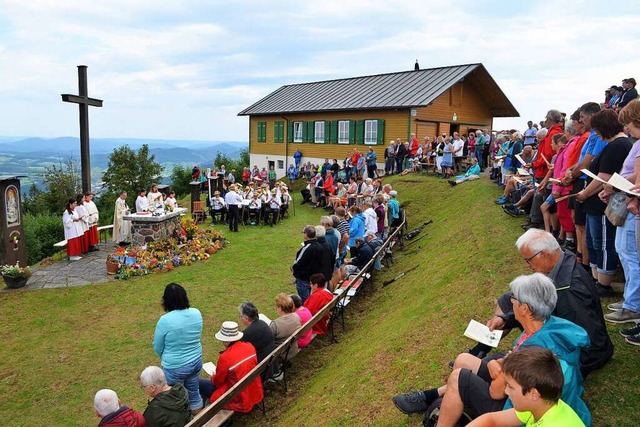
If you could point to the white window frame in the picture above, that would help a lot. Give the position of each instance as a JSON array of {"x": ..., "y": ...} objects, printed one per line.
[
  {"x": 297, "y": 131},
  {"x": 370, "y": 132},
  {"x": 343, "y": 132},
  {"x": 319, "y": 132}
]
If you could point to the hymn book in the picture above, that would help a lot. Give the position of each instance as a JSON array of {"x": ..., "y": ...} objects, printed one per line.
[
  {"x": 481, "y": 333},
  {"x": 209, "y": 368},
  {"x": 616, "y": 181}
]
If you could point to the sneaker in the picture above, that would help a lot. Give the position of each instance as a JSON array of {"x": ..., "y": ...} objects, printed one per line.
[
  {"x": 622, "y": 316},
  {"x": 501, "y": 200},
  {"x": 531, "y": 225},
  {"x": 628, "y": 332},
  {"x": 633, "y": 339},
  {"x": 604, "y": 291},
  {"x": 409, "y": 403},
  {"x": 75, "y": 258},
  {"x": 452, "y": 183},
  {"x": 616, "y": 306},
  {"x": 570, "y": 245}
]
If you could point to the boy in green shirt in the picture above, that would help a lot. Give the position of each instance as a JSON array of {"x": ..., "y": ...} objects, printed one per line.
[{"x": 534, "y": 383}]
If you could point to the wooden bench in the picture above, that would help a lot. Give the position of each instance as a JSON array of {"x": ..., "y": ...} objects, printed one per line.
[
  {"x": 104, "y": 228},
  {"x": 216, "y": 415}
]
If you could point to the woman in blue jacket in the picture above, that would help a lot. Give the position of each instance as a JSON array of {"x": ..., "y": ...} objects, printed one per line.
[
  {"x": 356, "y": 227},
  {"x": 177, "y": 342}
]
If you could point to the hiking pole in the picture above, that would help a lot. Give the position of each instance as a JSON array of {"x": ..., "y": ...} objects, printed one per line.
[
  {"x": 399, "y": 276},
  {"x": 413, "y": 241},
  {"x": 413, "y": 233}
]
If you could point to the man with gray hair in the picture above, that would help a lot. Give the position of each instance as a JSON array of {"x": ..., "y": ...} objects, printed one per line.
[
  {"x": 257, "y": 332},
  {"x": 578, "y": 299},
  {"x": 308, "y": 261},
  {"x": 169, "y": 405},
  {"x": 107, "y": 407}
]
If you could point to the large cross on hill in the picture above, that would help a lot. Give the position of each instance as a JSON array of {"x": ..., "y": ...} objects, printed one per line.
[{"x": 83, "y": 101}]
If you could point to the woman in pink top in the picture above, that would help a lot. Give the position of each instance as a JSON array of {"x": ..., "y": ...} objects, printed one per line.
[
  {"x": 559, "y": 189},
  {"x": 304, "y": 314}
]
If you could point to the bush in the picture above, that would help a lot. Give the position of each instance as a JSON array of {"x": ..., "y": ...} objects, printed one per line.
[{"x": 42, "y": 231}]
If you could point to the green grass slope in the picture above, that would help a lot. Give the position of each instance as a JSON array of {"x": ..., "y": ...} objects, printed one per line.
[
  {"x": 400, "y": 338},
  {"x": 61, "y": 345}
]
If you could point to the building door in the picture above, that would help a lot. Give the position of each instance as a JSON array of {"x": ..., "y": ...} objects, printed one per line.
[
  {"x": 453, "y": 128},
  {"x": 272, "y": 164}
]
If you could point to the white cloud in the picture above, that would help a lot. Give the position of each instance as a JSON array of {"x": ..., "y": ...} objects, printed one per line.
[{"x": 184, "y": 70}]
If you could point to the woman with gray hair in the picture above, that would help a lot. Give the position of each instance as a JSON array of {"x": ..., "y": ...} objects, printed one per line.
[{"x": 480, "y": 385}]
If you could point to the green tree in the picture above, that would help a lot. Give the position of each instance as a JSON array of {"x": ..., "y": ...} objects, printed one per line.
[
  {"x": 180, "y": 179},
  {"x": 61, "y": 182},
  {"x": 130, "y": 171}
]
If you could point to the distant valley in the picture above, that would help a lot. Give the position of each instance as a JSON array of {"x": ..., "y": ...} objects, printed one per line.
[{"x": 29, "y": 156}]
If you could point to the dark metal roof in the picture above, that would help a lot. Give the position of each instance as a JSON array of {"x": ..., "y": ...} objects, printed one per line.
[{"x": 395, "y": 90}]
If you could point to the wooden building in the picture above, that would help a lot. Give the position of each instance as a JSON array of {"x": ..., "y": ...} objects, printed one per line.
[{"x": 327, "y": 119}]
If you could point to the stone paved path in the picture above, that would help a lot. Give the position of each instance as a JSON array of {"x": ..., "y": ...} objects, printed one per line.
[{"x": 66, "y": 274}]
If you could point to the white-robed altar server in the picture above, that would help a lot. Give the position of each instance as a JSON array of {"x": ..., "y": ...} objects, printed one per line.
[
  {"x": 74, "y": 241},
  {"x": 94, "y": 216}
]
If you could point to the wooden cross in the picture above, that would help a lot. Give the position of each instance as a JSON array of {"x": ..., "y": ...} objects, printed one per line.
[{"x": 83, "y": 101}]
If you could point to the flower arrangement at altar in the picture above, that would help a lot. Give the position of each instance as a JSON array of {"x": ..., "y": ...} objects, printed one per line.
[
  {"x": 166, "y": 254},
  {"x": 189, "y": 227}
]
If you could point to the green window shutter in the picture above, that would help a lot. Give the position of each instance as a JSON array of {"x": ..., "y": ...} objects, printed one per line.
[
  {"x": 289, "y": 131},
  {"x": 380, "y": 135},
  {"x": 305, "y": 131},
  {"x": 312, "y": 132},
  {"x": 352, "y": 131},
  {"x": 360, "y": 132},
  {"x": 327, "y": 131},
  {"x": 333, "y": 136},
  {"x": 262, "y": 131},
  {"x": 308, "y": 132},
  {"x": 278, "y": 130}
]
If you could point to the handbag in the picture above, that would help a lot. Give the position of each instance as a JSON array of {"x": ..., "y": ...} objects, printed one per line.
[{"x": 616, "y": 210}]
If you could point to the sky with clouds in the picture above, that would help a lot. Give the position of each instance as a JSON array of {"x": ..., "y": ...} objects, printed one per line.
[{"x": 183, "y": 70}]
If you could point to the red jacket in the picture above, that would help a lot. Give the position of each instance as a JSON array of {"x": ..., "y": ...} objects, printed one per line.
[
  {"x": 540, "y": 168},
  {"x": 246, "y": 175},
  {"x": 328, "y": 184},
  {"x": 233, "y": 364},
  {"x": 123, "y": 417},
  {"x": 314, "y": 303},
  {"x": 413, "y": 147}
]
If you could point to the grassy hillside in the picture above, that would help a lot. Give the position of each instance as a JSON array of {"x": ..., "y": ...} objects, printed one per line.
[{"x": 61, "y": 345}]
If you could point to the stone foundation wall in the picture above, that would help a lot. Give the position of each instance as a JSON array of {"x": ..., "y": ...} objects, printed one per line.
[{"x": 143, "y": 233}]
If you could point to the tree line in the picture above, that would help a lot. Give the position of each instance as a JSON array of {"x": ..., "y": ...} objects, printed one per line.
[{"x": 127, "y": 170}]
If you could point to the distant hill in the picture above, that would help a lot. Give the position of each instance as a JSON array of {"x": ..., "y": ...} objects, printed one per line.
[
  {"x": 29, "y": 156},
  {"x": 70, "y": 145}
]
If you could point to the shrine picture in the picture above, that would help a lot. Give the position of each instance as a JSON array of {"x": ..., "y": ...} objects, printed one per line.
[{"x": 12, "y": 206}]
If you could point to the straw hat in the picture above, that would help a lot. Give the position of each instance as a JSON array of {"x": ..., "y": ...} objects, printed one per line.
[{"x": 228, "y": 332}]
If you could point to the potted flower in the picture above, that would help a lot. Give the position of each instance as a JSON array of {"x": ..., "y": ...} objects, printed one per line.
[
  {"x": 14, "y": 275},
  {"x": 113, "y": 263}
]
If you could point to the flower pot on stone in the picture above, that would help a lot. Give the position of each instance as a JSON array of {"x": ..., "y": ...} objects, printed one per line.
[
  {"x": 112, "y": 267},
  {"x": 15, "y": 282}
]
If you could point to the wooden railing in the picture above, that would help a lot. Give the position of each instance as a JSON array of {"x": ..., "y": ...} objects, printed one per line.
[{"x": 210, "y": 411}]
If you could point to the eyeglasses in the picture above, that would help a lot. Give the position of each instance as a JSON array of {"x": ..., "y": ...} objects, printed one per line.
[
  {"x": 528, "y": 260},
  {"x": 513, "y": 298},
  {"x": 145, "y": 386}
]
